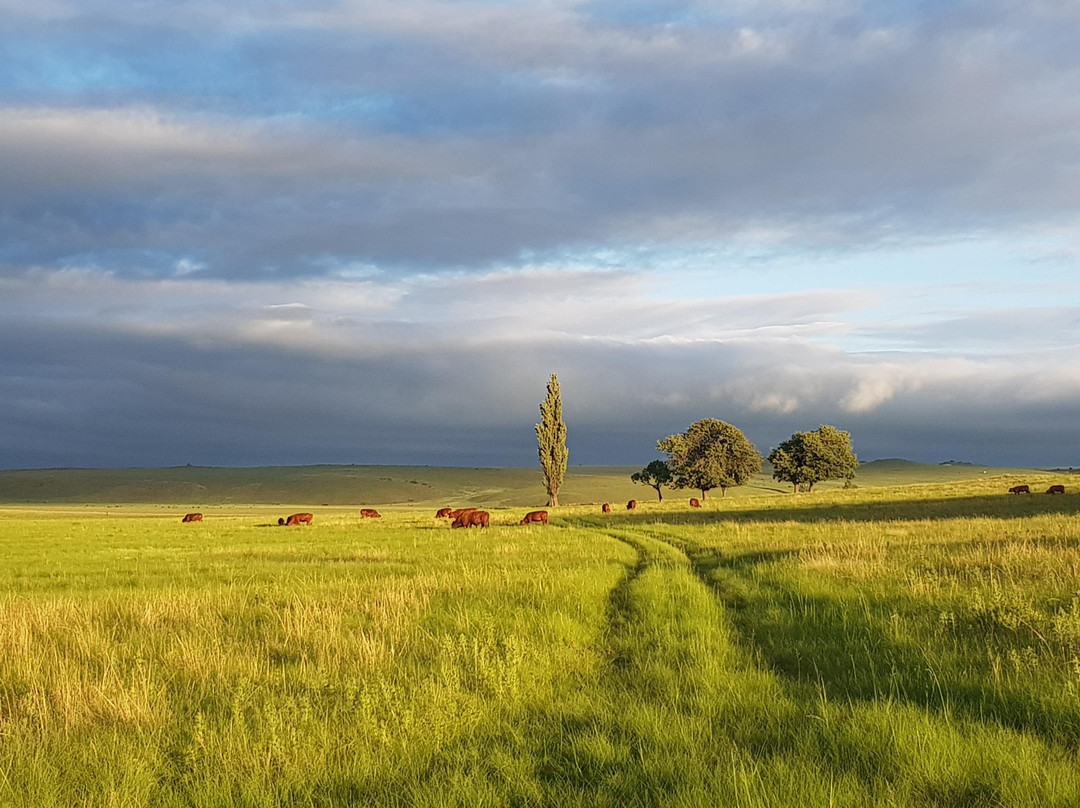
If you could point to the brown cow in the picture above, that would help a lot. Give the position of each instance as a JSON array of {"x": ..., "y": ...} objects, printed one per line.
[
  {"x": 1056, "y": 489},
  {"x": 1020, "y": 489},
  {"x": 606, "y": 507},
  {"x": 454, "y": 514},
  {"x": 297, "y": 519},
  {"x": 443, "y": 513},
  {"x": 472, "y": 518},
  {"x": 631, "y": 505},
  {"x": 369, "y": 513},
  {"x": 197, "y": 517},
  {"x": 535, "y": 516},
  {"x": 695, "y": 502}
]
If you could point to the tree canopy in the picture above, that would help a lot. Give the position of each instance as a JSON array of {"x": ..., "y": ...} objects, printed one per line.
[
  {"x": 656, "y": 474},
  {"x": 711, "y": 454},
  {"x": 807, "y": 458},
  {"x": 551, "y": 441}
]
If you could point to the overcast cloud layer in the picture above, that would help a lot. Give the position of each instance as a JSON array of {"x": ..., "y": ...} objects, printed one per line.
[{"x": 298, "y": 232}]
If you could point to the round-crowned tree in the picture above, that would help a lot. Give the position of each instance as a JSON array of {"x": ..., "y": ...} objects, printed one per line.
[
  {"x": 711, "y": 454},
  {"x": 807, "y": 458},
  {"x": 656, "y": 474}
]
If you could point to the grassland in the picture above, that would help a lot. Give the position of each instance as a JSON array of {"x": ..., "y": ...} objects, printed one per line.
[
  {"x": 199, "y": 486},
  {"x": 903, "y": 646}
]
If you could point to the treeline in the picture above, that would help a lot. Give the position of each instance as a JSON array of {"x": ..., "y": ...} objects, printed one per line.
[
  {"x": 710, "y": 454},
  {"x": 714, "y": 454}
]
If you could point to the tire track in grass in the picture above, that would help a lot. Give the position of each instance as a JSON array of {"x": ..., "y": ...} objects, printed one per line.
[
  {"x": 619, "y": 611},
  {"x": 676, "y": 716},
  {"x": 843, "y": 646},
  {"x": 696, "y": 716},
  {"x": 910, "y": 749}
]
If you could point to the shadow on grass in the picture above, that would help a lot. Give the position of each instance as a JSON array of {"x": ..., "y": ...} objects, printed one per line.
[
  {"x": 826, "y": 643},
  {"x": 1004, "y": 506},
  {"x": 619, "y": 612}
]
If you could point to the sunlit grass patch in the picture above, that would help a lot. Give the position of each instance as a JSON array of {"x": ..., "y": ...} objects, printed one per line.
[{"x": 846, "y": 647}]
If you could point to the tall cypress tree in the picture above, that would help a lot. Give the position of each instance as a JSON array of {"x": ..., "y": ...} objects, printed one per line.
[{"x": 551, "y": 437}]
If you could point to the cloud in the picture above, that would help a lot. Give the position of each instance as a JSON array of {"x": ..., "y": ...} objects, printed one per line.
[
  {"x": 369, "y": 230},
  {"x": 427, "y": 135},
  {"x": 869, "y": 394},
  {"x": 989, "y": 329},
  {"x": 331, "y": 317},
  {"x": 101, "y": 369}
]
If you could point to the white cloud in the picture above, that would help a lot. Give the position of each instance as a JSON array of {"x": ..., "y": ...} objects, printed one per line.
[
  {"x": 774, "y": 403},
  {"x": 869, "y": 394}
]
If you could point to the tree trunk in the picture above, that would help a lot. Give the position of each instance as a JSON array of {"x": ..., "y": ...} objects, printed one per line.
[
  {"x": 795, "y": 488},
  {"x": 553, "y": 500},
  {"x": 659, "y": 493}
]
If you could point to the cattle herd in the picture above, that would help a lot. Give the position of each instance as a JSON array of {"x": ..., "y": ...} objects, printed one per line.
[
  {"x": 474, "y": 517},
  {"x": 461, "y": 517},
  {"x": 1026, "y": 489}
]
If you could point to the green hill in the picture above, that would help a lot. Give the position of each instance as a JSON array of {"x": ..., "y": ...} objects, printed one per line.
[
  {"x": 380, "y": 485},
  {"x": 316, "y": 485}
]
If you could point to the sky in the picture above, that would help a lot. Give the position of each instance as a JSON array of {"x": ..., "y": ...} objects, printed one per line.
[{"x": 307, "y": 231}]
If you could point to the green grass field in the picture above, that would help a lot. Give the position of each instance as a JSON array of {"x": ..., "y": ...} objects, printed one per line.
[
  {"x": 889, "y": 645},
  {"x": 315, "y": 486}
]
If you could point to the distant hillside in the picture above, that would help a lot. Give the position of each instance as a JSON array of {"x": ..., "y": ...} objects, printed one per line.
[
  {"x": 421, "y": 485},
  {"x": 896, "y": 471},
  {"x": 316, "y": 485}
]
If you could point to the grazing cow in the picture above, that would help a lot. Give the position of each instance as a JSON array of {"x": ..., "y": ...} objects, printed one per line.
[
  {"x": 197, "y": 517},
  {"x": 443, "y": 513},
  {"x": 1020, "y": 489},
  {"x": 369, "y": 513},
  {"x": 695, "y": 502},
  {"x": 606, "y": 507},
  {"x": 1056, "y": 489},
  {"x": 454, "y": 514},
  {"x": 297, "y": 519},
  {"x": 631, "y": 505},
  {"x": 472, "y": 518},
  {"x": 535, "y": 516}
]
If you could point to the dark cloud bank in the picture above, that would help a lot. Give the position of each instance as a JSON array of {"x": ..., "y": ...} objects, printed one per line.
[{"x": 431, "y": 378}]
